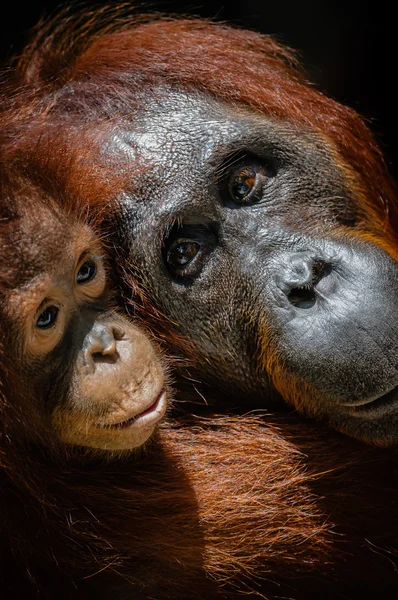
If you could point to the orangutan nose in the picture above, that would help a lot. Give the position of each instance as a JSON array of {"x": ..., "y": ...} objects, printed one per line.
[
  {"x": 101, "y": 343},
  {"x": 300, "y": 276}
]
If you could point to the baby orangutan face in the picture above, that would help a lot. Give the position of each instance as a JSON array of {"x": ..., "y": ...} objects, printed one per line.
[{"x": 86, "y": 376}]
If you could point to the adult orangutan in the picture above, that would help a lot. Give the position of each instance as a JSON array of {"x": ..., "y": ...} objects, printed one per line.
[{"x": 253, "y": 210}]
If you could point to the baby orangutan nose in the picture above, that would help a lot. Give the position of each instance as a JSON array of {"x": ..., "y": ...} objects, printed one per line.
[{"x": 100, "y": 345}]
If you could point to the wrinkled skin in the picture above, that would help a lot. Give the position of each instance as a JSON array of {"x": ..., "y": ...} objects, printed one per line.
[{"x": 285, "y": 293}]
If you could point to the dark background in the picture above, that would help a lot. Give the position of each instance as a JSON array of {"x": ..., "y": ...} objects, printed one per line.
[{"x": 349, "y": 49}]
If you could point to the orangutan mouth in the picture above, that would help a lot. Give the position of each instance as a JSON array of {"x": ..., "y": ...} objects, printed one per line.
[
  {"x": 377, "y": 406},
  {"x": 149, "y": 416}
]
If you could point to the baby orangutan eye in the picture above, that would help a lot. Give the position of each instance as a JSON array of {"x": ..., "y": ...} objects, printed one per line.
[
  {"x": 87, "y": 272},
  {"x": 48, "y": 317}
]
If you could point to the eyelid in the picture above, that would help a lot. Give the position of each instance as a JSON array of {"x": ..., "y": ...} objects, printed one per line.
[
  {"x": 47, "y": 302},
  {"x": 93, "y": 289},
  {"x": 229, "y": 162},
  {"x": 96, "y": 257},
  {"x": 261, "y": 144},
  {"x": 41, "y": 341},
  {"x": 270, "y": 158},
  {"x": 86, "y": 255}
]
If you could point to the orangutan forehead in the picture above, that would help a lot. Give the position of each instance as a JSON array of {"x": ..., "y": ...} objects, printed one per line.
[
  {"x": 173, "y": 115},
  {"x": 182, "y": 141},
  {"x": 170, "y": 120},
  {"x": 42, "y": 242}
]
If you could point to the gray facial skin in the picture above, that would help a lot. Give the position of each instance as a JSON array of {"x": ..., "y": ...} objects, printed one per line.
[{"x": 244, "y": 233}]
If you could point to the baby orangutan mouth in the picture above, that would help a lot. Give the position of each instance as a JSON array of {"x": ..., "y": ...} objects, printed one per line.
[{"x": 149, "y": 416}]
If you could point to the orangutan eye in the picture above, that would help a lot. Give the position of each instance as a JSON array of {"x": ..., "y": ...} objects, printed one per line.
[
  {"x": 87, "y": 272},
  {"x": 181, "y": 253},
  {"x": 242, "y": 179},
  {"x": 243, "y": 185},
  {"x": 48, "y": 317},
  {"x": 187, "y": 250},
  {"x": 246, "y": 185}
]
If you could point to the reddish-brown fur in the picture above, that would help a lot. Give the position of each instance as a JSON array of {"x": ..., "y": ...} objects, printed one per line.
[
  {"x": 216, "y": 507},
  {"x": 118, "y": 56}
]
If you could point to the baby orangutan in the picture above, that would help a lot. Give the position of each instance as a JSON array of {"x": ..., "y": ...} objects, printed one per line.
[{"x": 82, "y": 374}]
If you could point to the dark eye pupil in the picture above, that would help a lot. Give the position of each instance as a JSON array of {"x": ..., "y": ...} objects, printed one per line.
[
  {"x": 86, "y": 272},
  {"x": 242, "y": 184},
  {"x": 183, "y": 253},
  {"x": 47, "y": 318}
]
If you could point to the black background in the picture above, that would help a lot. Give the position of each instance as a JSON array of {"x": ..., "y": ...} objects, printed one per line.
[{"x": 349, "y": 49}]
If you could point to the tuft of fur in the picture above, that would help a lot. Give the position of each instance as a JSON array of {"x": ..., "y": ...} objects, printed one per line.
[{"x": 214, "y": 508}]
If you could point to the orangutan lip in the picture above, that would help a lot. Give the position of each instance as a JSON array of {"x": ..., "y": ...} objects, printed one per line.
[
  {"x": 149, "y": 416},
  {"x": 377, "y": 405}
]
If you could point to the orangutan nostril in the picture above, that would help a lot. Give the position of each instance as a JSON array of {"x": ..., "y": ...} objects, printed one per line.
[
  {"x": 305, "y": 276},
  {"x": 99, "y": 357},
  {"x": 302, "y": 297}
]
